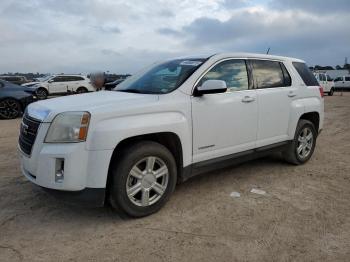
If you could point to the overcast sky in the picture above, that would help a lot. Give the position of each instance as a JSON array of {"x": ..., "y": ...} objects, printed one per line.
[{"x": 123, "y": 36}]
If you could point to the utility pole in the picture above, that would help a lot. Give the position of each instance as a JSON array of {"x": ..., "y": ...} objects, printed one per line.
[{"x": 268, "y": 51}]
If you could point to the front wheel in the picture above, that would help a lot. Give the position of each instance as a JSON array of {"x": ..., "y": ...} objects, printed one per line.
[
  {"x": 303, "y": 145},
  {"x": 10, "y": 108},
  {"x": 142, "y": 179},
  {"x": 42, "y": 93},
  {"x": 331, "y": 92}
]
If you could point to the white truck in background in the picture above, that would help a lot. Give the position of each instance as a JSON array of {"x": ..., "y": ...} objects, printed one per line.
[{"x": 326, "y": 82}]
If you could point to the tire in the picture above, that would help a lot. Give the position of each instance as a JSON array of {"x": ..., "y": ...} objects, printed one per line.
[
  {"x": 10, "y": 108},
  {"x": 82, "y": 90},
  {"x": 331, "y": 92},
  {"x": 292, "y": 154},
  {"x": 42, "y": 93},
  {"x": 138, "y": 184}
]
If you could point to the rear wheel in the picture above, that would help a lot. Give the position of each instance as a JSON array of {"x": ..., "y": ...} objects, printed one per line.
[
  {"x": 42, "y": 93},
  {"x": 142, "y": 179},
  {"x": 10, "y": 108},
  {"x": 303, "y": 145},
  {"x": 82, "y": 90}
]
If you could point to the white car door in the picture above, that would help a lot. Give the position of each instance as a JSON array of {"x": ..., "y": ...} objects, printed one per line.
[
  {"x": 346, "y": 82},
  {"x": 275, "y": 95},
  {"x": 225, "y": 123},
  {"x": 58, "y": 85}
]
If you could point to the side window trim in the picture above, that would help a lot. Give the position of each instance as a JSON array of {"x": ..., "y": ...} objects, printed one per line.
[
  {"x": 255, "y": 86},
  {"x": 249, "y": 74}
]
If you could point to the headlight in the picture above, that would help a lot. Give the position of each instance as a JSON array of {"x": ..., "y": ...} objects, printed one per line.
[{"x": 69, "y": 127}]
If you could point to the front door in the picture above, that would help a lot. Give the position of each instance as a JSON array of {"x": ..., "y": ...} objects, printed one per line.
[
  {"x": 225, "y": 123},
  {"x": 58, "y": 85}
]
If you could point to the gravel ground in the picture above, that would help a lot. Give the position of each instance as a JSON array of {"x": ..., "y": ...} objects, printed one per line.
[{"x": 304, "y": 215}]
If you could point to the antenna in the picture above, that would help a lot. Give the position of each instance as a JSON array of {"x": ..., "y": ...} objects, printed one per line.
[{"x": 268, "y": 51}]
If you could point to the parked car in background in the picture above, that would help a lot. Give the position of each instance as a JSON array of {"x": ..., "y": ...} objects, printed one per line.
[
  {"x": 36, "y": 81},
  {"x": 63, "y": 84},
  {"x": 326, "y": 82},
  {"x": 14, "y": 99},
  {"x": 342, "y": 83},
  {"x": 111, "y": 85},
  {"x": 18, "y": 80},
  {"x": 179, "y": 118}
]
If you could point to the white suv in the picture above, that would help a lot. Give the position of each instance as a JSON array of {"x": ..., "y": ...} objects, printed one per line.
[
  {"x": 176, "y": 119},
  {"x": 62, "y": 84}
]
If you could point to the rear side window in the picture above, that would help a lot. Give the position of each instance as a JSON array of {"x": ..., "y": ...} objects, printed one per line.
[
  {"x": 77, "y": 78},
  {"x": 305, "y": 73},
  {"x": 347, "y": 78},
  {"x": 268, "y": 74}
]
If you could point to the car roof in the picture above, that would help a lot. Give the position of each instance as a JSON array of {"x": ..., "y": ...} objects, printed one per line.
[
  {"x": 243, "y": 55},
  {"x": 68, "y": 75}
]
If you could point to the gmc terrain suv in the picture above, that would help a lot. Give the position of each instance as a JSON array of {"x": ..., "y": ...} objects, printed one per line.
[{"x": 173, "y": 120}]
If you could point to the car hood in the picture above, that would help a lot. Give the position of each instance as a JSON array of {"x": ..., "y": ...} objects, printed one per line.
[{"x": 97, "y": 102}]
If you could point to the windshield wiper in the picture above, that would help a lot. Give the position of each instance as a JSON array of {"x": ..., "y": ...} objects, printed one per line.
[{"x": 130, "y": 91}]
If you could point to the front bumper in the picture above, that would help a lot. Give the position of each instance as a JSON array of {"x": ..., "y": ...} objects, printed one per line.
[{"x": 85, "y": 171}]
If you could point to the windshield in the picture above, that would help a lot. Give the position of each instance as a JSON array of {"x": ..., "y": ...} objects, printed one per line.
[{"x": 161, "y": 78}]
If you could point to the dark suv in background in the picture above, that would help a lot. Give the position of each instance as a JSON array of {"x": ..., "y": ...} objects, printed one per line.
[{"x": 18, "y": 80}]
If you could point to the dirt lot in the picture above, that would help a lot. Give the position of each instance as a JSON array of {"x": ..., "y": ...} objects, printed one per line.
[{"x": 304, "y": 216}]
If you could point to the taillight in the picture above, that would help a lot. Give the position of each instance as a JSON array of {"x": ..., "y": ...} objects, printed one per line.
[{"x": 321, "y": 91}]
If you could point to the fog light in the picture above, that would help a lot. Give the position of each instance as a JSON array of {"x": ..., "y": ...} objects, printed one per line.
[{"x": 59, "y": 170}]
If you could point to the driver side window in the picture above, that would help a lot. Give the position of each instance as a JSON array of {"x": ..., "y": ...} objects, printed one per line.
[{"x": 233, "y": 72}]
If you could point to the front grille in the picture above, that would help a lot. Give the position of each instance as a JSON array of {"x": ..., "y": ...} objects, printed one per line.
[{"x": 29, "y": 130}]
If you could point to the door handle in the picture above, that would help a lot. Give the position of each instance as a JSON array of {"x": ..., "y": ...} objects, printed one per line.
[
  {"x": 291, "y": 94},
  {"x": 248, "y": 99}
]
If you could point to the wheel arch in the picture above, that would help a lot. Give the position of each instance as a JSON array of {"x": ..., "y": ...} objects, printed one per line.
[
  {"x": 168, "y": 139},
  {"x": 313, "y": 117}
]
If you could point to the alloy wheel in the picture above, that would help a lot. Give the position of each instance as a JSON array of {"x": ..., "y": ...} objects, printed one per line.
[
  {"x": 9, "y": 109},
  {"x": 147, "y": 181},
  {"x": 305, "y": 143}
]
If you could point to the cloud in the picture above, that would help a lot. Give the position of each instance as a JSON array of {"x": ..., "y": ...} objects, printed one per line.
[
  {"x": 313, "y": 6},
  {"x": 122, "y": 36},
  {"x": 293, "y": 33},
  {"x": 169, "y": 31}
]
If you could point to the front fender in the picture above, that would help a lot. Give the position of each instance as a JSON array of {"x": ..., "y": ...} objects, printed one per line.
[{"x": 107, "y": 134}]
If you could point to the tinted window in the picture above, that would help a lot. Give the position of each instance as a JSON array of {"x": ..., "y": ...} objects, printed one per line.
[
  {"x": 347, "y": 78},
  {"x": 304, "y": 72},
  {"x": 59, "y": 79},
  {"x": 233, "y": 72},
  {"x": 329, "y": 78},
  {"x": 286, "y": 75},
  {"x": 268, "y": 74},
  {"x": 338, "y": 79},
  {"x": 78, "y": 78}
]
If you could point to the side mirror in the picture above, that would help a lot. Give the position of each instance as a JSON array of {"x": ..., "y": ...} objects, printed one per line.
[{"x": 211, "y": 87}]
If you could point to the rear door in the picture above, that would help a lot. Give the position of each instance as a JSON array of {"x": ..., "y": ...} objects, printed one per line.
[
  {"x": 75, "y": 83},
  {"x": 225, "y": 123},
  {"x": 275, "y": 94}
]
